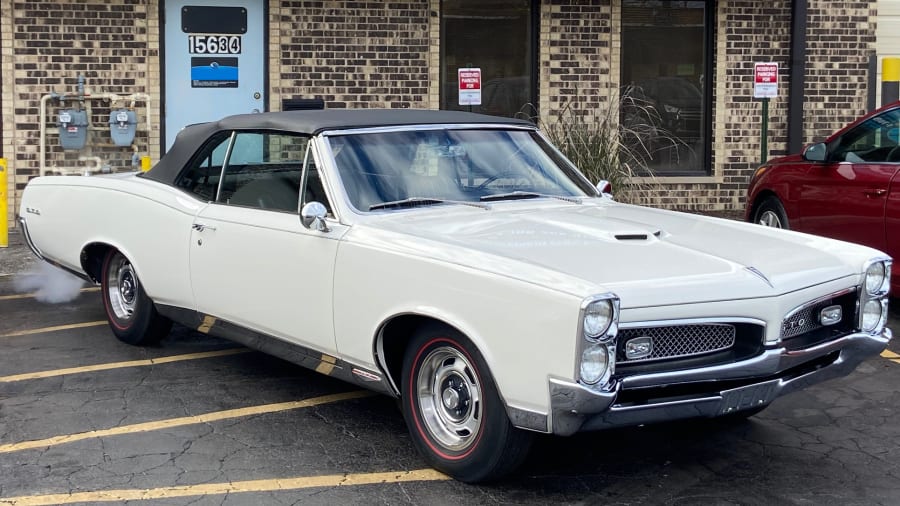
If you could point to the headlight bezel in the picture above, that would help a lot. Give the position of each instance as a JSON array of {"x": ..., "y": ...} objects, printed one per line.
[
  {"x": 884, "y": 272},
  {"x": 604, "y": 340},
  {"x": 610, "y": 329},
  {"x": 875, "y": 296}
]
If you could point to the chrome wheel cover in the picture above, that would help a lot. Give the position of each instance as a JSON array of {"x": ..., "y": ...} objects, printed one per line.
[
  {"x": 449, "y": 395},
  {"x": 123, "y": 287},
  {"x": 770, "y": 219}
]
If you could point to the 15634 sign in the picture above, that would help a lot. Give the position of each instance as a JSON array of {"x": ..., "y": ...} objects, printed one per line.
[{"x": 214, "y": 44}]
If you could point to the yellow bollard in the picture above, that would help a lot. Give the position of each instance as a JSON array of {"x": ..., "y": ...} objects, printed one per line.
[
  {"x": 890, "y": 80},
  {"x": 145, "y": 163},
  {"x": 4, "y": 226}
]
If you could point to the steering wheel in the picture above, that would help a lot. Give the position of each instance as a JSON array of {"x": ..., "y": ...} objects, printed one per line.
[{"x": 509, "y": 173}]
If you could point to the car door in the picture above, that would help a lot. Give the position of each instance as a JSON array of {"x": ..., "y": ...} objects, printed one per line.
[
  {"x": 253, "y": 263},
  {"x": 846, "y": 197}
]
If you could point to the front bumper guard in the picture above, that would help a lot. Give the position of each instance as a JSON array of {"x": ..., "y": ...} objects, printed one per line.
[{"x": 575, "y": 407}]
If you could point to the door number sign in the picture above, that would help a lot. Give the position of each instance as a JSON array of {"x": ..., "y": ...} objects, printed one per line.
[{"x": 214, "y": 44}]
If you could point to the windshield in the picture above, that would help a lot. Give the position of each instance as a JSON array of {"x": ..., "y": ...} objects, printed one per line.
[{"x": 450, "y": 165}]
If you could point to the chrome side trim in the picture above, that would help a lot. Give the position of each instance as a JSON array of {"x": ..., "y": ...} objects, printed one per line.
[
  {"x": 528, "y": 420},
  {"x": 34, "y": 249},
  {"x": 318, "y": 361}
]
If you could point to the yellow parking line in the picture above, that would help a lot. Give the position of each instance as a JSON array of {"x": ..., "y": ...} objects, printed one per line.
[
  {"x": 122, "y": 365},
  {"x": 29, "y": 332},
  {"x": 185, "y": 420},
  {"x": 889, "y": 354},
  {"x": 273, "y": 485},
  {"x": 31, "y": 295}
]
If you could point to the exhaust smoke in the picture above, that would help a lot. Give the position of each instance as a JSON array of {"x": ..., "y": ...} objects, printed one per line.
[{"x": 50, "y": 284}]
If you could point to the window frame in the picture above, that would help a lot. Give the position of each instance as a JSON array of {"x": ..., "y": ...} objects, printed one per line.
[
  {"x": 533, "y": 57},
  {"x": 705, "y": 160}
]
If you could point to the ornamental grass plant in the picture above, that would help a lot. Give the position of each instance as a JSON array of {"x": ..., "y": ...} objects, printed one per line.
[{"x": 615, "y": 141}]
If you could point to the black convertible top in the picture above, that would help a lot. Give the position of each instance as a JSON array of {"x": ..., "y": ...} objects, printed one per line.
[{"x": 312, "y": 122}]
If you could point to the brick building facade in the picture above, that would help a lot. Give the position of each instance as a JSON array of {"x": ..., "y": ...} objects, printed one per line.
[{"x": 403, "y": 53}]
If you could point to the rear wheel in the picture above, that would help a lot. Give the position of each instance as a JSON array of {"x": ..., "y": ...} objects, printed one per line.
[
  {"x": 132, "y": 316},
  {"x": 454, "y": 412},
  {"x": 770, "y": 213}
]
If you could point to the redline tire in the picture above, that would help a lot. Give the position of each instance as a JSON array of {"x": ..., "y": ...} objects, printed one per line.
[
  {"x": 131, "y": 314},
  {"x": 453, "y": 410}
]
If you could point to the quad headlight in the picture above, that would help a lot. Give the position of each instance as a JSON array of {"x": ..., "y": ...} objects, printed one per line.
[
  {"x": 597, "y": 349},
  {"x": 597, "y": 319},
  {"x": 872, "y": 315},
  {"x": 876, "y": 276},
  {"x": 594, "y": 363},
  {"x": 873, "y": 302}
]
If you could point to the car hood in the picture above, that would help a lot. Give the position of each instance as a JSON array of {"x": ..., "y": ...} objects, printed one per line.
[{"x": 646, "y": 256}]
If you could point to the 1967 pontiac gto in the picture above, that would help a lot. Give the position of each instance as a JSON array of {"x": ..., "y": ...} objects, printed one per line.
[{"x": 461, "y": 264}]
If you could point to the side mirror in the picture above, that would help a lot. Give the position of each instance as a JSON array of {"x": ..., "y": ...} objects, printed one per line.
[
  {"x": 313, "y": 216},
  {"x": 605, "y": 188},
  {"x": 815, "y": 152}
]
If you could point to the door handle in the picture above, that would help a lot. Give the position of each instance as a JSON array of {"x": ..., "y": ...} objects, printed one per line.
[
  {"x": 199, "y": 227},
  {"x": 875, "y": 192}
]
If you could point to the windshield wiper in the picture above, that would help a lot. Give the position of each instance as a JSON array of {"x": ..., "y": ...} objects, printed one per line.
[
  {"x": 520, "y": 195},
  {"x": 423, "y": 201}
]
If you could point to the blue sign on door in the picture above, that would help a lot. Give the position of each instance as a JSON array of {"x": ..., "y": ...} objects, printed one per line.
[{"x": 214, "y": 72}]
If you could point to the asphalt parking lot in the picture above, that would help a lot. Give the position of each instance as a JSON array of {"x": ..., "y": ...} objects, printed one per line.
[{"x": 197, "y": 420}]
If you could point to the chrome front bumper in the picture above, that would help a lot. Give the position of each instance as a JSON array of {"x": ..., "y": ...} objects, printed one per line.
[{"x": 760, "y": 380}]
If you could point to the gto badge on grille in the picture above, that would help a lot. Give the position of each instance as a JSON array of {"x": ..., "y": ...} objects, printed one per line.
[
  {"x": 639, "y": 347},
  {"x": 830, "y": 315}
]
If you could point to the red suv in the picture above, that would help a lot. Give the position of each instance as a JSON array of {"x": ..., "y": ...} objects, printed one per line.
[{"x": 846, "y": 187}]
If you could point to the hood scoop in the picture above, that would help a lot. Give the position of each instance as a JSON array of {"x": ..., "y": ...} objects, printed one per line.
[{"x": 636, "y": 236}]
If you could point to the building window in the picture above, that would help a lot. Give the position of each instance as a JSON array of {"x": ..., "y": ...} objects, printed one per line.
[
  {"x": 499, "y": 38},
  {"x": 671, "y": 81}
]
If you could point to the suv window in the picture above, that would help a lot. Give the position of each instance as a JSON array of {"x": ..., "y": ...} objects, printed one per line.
[{"x": 875, "y": 140}]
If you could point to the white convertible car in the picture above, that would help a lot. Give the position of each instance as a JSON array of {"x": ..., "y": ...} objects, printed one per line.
[{"x": 461, "y": 264}]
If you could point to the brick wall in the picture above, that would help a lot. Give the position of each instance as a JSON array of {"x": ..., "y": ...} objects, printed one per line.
[
  {"x": 106, "y": 41},
  {"x": 841, "y": 38},
  {"x": 575, "y": 58},
  {"x": 352, "y": 54}
]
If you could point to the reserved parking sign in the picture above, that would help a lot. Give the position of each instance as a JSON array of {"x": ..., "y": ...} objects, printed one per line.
[
  {"x": 765, "y": 80},
  {"x": 469, "y": 86}
]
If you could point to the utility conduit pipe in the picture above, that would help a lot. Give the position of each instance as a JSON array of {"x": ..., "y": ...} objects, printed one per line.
[{"x": 110, "y": 97}]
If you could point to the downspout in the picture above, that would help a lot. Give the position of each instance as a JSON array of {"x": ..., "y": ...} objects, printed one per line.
[{"x": 798, "y": 75}]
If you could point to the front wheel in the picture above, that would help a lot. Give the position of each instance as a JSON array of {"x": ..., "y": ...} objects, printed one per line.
[
  {"x": 770, "y": 213},
  {"x": 132, "y": 316},
  {"x": 454, "y": 412}
]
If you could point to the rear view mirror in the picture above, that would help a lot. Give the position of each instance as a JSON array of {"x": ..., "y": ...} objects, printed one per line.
[{"x": 815, "y": 152}]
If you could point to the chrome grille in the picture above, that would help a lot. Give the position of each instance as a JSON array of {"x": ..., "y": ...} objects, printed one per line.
[
  {"x": 800, "y": 322},
  {"x": 679, "y": 341},
  {"x": 801, "y": 327}
]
